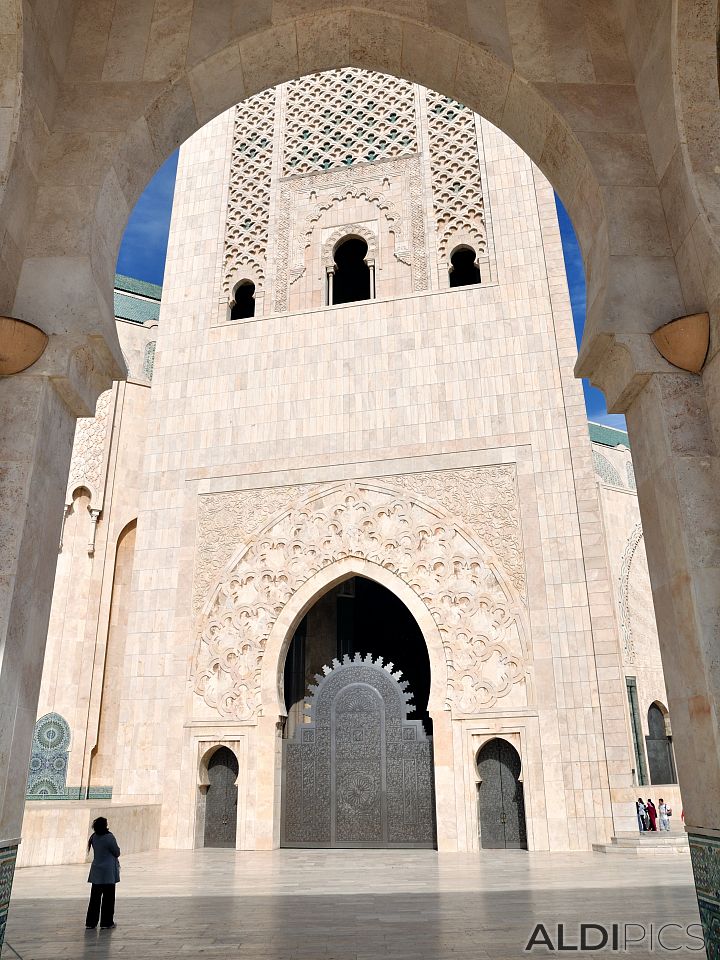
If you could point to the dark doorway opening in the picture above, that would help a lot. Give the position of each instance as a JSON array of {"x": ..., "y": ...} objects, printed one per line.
[
  {"x": 359, "y": 616},
  {"x": 357, "y": 748},
  {"x": 221, "y": 799},
  {"x": 351, "y": 280},
  {"x": 659, "y": 748},
  {"x": 500, "y": 797},
  {"x": 244, "y": 306},
  {"x": 464, "y": 271}
]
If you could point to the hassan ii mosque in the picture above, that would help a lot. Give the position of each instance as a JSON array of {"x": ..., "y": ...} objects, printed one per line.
[{"x": 342, "y": 562}]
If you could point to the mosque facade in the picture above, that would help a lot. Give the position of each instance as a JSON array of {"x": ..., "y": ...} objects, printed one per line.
[{"x": 342, "y": 561}]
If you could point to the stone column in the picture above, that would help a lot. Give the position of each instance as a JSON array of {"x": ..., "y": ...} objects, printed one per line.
[
  {"x": 38, "y": 409},
  {"x": 677, "y": 467}
]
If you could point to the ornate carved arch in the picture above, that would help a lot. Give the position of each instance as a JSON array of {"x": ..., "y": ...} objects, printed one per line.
[
  {"x": 478, "y": 613},
  {"x": 349, "y": 190},
  {"x": 349, "y": 230},
  {"x": 467, "y": 237}
]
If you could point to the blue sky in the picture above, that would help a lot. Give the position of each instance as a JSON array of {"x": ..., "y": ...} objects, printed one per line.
[{"x": 144, "y": 245}]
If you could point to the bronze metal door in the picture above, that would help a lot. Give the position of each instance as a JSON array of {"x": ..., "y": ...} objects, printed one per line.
[
  {"x": 500, "y": 797},
  {"x": 359, "y": 773},
  {"x": 221, "y": 799}
]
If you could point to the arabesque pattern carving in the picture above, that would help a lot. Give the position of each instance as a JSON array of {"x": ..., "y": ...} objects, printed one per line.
[
  {"x": 637, "y": 617},
  {"x": 456, "y": 182},
  {"x": 478, "y": 614},
  {"x": 226, "y": 519},
  {"x": 605, "y": 470},
  {"x": 248, "y": 212},
  {"x": 484, "y": 498},
  {"x": 344, "y": 117},
  {"x": 329, "y": 189},
  {"x": 88, "y": 456}
]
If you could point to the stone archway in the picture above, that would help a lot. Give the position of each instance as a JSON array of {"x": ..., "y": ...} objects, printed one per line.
[
  {"x": 600, "y": 136},
  {"x": 469, "y": 612},
  {"x": 268, "y": 825}
]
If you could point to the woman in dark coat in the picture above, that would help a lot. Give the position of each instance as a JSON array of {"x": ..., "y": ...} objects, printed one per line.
[
  {"x": 104, "y": 874},
  {"x": 652, "y": 813}
]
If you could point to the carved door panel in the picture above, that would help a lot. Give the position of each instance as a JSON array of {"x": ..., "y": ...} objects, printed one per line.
[
  {"x": 221, "y": 799},
  {"x": 359, "y": 774},
  {"x": 500, "y": 797},
  {"x": 358, "y": 767}
]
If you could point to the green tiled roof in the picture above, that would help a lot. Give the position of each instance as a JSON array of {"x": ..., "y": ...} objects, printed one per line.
[
  {"x": 143, "y": 306},
  {"x": 608, "y": 436},
  {"x": 140, "y": 287}
]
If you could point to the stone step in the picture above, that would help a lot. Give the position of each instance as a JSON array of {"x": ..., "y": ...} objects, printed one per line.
[{"x": 645, "y": 844}]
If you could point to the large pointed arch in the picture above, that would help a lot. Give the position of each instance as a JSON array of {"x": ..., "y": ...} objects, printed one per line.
[{"x": 307, "y": 595}]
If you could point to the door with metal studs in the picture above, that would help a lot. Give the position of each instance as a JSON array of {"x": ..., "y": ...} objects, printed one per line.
[
  {"x": 500, "y": 797},
  {"x": 221, "y": 799}
]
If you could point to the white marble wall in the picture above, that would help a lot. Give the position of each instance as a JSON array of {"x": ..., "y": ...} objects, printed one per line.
[
  {"x": 632, "y": 592},
  {"x": 106, "y": 476},
  {"x": 403, "y": 384}
]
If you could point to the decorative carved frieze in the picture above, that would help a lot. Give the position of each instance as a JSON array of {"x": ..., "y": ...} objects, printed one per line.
[
  {"x": 304, "y": 201},
  {"x": 637, "y": 618},
  {"x": 225, "y": 520},
  {"x": 88, "y": 456},
  {"x": 248, "y": 212},
  {"x": 456, "y": 183},
  {"x": 461, "y": 581},
  {"x": 486, "y": 500}
]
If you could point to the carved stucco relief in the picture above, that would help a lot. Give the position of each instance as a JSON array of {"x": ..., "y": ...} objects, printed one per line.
[
  {"x": 486, "y": 500},
  {"x": 304, "y": 200},
  {"x": 479, "y": 613},
  {"x": 248, "y": 209},
  {"x": 88, "y": 455},
  {"x": 225, "y": 520},
  {"x": 637, "y": 616}
]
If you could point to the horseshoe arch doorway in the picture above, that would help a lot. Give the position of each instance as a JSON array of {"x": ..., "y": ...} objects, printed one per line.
[
  {"x": 357, "y": 744},
  {"x": 500, "y": 797}
]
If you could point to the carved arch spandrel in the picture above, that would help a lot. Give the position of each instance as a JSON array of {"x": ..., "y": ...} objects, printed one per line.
[
  {"x": 478, "y": 613},
  {"x": 283, "y": 630},
  {"x": 350, "y": 230},
  {"x": 385, "y": 208}
]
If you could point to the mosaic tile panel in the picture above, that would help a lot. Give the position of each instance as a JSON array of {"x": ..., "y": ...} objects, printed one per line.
[
  {"x": 149, "y": 360},
  {"x": 49, "y": 758},
  {"x": 705, "y": 857},
  {"x": 8, "y": 856}
]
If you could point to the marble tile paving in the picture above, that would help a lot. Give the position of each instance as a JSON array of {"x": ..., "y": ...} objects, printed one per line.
[{"x": 344, "y": 904}]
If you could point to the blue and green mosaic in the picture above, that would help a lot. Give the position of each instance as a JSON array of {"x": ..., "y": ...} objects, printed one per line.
[{"x": 705, "y": 856}]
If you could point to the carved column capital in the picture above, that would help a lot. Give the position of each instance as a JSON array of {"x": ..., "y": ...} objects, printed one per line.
[
  {"x": 80, "y": 368},
  {"x": 621, "y": 365}
]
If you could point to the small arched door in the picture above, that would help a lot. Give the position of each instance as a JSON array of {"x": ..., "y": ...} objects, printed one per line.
[
  {"x": 500, "y": 797},
  {"x": 659, "y": 748},
  {"x": 221, "y": 799}
]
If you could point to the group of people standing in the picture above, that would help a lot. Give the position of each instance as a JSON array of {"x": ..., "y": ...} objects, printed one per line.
[{"x": 649, "y": 815}]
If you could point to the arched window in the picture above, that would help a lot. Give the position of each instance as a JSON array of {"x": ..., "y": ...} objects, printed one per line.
[
  {"x": 244, "y": 306},
  {"x": 464, "y": 270},
  {"x": 659, "y": 747},
  {"x": 352, "y": 279}
]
